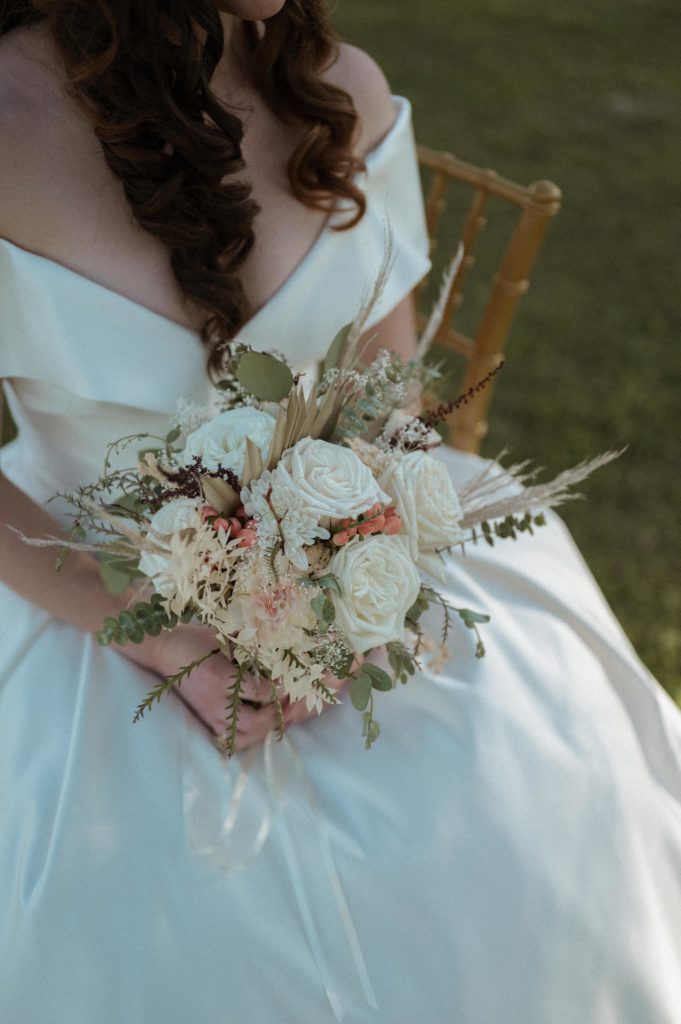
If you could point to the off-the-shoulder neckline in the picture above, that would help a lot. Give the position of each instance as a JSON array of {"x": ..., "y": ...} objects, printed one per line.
[{"x": 372, "y": 161}]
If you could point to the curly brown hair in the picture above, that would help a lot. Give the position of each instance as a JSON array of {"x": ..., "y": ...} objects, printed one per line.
[{"x": 141, "y": 71}]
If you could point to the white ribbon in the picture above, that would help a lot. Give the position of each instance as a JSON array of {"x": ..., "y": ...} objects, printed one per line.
[{"x": 234, "y": 837}]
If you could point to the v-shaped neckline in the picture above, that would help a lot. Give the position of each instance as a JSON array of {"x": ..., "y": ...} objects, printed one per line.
[
  {"x": 402, "y": 115},
  {"x": 139, "y": 307}
]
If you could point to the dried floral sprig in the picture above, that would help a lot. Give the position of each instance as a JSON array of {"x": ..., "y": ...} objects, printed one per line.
[{"x": 440, "y": 413}]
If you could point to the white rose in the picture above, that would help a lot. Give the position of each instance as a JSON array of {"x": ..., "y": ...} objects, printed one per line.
[
  {"x": 331, "y": 481},
  {"x": 378, "y": 583},
  {"x": 424, "y": 497},
  {"x": 178, "y": 514},
  {"x": 223, "y": 439}
]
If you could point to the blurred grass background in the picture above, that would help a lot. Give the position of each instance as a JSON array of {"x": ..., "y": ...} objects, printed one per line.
[{"x": 588, "y": 94}]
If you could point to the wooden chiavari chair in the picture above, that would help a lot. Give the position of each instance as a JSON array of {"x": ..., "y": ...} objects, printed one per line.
[{"x": 537, "y": 204}]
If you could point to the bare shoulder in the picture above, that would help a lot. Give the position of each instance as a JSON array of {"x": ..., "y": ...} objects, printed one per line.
[
  {"x": 27, "y": 87},
  {"x": 43, "y": 142},
  {"x": 360, "y": 76},
  {"x": 26, "y": 125}
]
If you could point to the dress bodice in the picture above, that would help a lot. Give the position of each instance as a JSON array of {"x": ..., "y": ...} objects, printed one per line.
[{"x": 87, "y": 365}]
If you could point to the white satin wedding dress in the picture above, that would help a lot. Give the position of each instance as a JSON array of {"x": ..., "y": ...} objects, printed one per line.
[{"x": 509, "y": 852}]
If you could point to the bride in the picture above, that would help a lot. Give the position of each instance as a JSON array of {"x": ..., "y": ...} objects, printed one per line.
[{"x": 175, "y": 173}]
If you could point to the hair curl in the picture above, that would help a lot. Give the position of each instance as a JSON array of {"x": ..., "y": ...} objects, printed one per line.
[{"x": 141, "y": 72}]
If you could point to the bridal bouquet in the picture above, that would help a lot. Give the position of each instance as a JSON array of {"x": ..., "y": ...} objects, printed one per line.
[{"x": 304, "y": 524}]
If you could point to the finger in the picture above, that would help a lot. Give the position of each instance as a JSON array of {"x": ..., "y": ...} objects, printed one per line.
[
  {"x": 298, "y": 712},
  {"x": 255, "y": 733}
]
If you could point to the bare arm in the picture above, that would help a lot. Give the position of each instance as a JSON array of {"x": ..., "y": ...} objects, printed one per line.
[
  {"x": 75, "y": 594},
  {"x": 396, "y": 332}
]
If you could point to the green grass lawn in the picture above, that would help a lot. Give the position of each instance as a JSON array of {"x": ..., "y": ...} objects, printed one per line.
[{"x": 589, "y": 95}]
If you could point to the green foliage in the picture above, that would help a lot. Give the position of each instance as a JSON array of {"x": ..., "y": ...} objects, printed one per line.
[
  {"x": 360, "y": 691},
  {"x": 154, "y": 696},
  {"x": 327, "y": 582},
  {"x": 325, "y": 611},
  {"x": 370, "y": 727},
  {"x": 336, "y": 350},
  {"x": 509, "y": 527},
  {"x": 145, "y": 618},
  {"x": 172, "y": 436},
  {"x": 117, "y": 572},
  {"x": 264, "y": 376},
  {"x": 471, "y": 620},
  {"x": 233, "y": 704},
  {"x": 380, "y": 680},
  {"x": 419, "y": 606},
  {"x": 402, "y": 661}
]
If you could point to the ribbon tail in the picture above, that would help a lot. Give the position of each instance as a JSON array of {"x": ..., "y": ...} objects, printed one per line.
[{"x": 321, "y": 899}]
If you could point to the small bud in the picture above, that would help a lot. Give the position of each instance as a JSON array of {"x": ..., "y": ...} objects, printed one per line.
[
  {"x": 341, "y": 538},
  {"x": 206, "y": 511},
  {"x": 378, "y": 522},
  {"x": 221, "y": 524},
  {"x": 247, "y": 538},
  {"x": 393, "y": 525},
  {"x": 366, "y": 528},
  {"x": 235, "y": 526}
]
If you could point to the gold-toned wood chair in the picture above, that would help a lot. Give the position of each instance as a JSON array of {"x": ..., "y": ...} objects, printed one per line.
[{"x": 537, "y": 204}]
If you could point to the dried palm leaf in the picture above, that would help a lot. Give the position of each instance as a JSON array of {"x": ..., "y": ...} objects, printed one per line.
[
  {"x": 435, "y": 319},
  {"x": 219, "y": 494},
  {"x": 498, "y": 492},
  {"x": 252, "y": 462}
]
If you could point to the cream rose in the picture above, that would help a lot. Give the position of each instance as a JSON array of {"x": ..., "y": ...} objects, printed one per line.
[
  {"x": 223, "y": 439},
  {"x": 424, "y": 497},
  {"x": 378, "y": 584},
  {"x": 330, "y": 480},
  {"x": 179, "y": 514}
]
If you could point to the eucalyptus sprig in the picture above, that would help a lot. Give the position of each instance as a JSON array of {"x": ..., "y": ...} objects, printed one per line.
[{"x": 144, "y": 618}]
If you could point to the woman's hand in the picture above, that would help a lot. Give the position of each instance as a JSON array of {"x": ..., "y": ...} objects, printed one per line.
[{"x": 205, "y": 689}]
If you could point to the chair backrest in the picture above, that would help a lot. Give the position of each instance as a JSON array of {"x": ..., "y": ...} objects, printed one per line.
[{"x": 537, "y": 204}]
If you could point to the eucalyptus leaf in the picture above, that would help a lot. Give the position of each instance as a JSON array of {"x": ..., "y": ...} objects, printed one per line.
[
  {"x": 336, "y": 349},
  {"x": 317, "y": 606},
  {"x": 328, "y": 582},
  {"x": 115, "y": 575},
  {"x": 380, "y": 680},
  {"x": 471, "y": 617},
  {"x": 264, "y": 376},
  {"x": 107, "y": 634},
  {"x": 373, "y": 732},
  {"x": 360, "y": 691}
]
